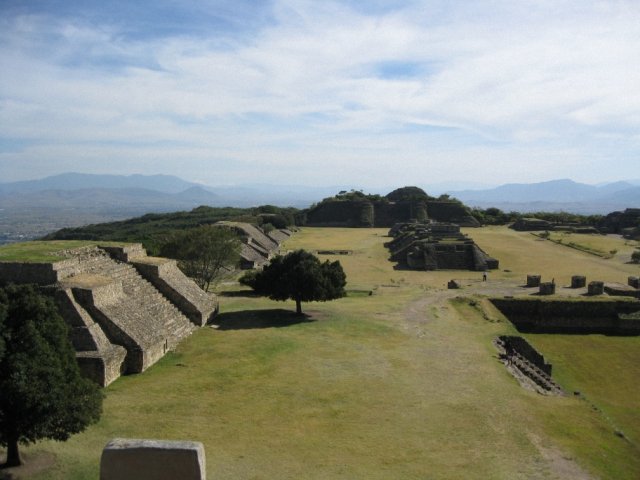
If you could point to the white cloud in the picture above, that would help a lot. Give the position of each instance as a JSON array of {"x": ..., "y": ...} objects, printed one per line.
[{"x": 516, "y": 86}]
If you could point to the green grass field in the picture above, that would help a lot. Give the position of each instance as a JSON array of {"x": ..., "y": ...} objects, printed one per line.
[
  {"x": 43, "y": 251},
  {"x": 402, "y": 384}
]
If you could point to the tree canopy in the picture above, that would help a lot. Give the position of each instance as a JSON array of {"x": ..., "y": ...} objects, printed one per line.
[
  {"x": 203, "y": 253},
  {"x": 42, "y": 394},
  {"x": 408, "y": 194},
  {"x": 299, "y": 276}
]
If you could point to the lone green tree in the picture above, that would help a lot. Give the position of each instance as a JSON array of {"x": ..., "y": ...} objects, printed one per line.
[
  {"x": 204, "y": 253},
  {"x": 42, "y": 394},
  {"x": 299, "y": 276}
]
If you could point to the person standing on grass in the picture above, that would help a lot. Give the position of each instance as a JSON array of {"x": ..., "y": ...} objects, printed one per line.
[{"x": 484, "y": 276}]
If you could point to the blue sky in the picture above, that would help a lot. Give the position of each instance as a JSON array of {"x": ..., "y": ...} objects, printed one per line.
[{"x": 368, "y": 94}]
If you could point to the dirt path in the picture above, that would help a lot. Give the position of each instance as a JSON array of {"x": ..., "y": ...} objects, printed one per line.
[{"x": 434, "y": 305}]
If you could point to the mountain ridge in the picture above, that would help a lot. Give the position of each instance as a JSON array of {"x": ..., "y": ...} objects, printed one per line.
[{"x": 172, "y": 192}]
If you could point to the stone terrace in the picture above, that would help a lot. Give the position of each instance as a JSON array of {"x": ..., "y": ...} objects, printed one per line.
[{"x": 125, "y": 310}]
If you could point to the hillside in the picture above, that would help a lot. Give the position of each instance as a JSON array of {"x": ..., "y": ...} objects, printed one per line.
[{"x": 149, "y": 229}]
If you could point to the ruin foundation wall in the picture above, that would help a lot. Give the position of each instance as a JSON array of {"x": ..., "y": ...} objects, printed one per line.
[
  {"x": 164, "y": 274},
  {"x": 118, "y": 321},
  {"x": 571, "y": 316}
]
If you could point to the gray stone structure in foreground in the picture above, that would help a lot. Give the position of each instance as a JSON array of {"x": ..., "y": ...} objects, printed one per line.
[
  {"x": 125, "y": 309},
  {"x": 131, "y": 459}
]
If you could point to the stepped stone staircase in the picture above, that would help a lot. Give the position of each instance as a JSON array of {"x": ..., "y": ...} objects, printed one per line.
[
  {"x": 526, "y": 363},
  {"x": 125, "y": 310}
]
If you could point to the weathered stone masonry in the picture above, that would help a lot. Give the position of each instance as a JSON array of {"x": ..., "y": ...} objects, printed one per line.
[
  {"x": 611, "y": 317},
  {"x": 125, "y": 310}
]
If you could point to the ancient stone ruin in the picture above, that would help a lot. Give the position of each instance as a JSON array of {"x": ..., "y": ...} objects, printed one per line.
[
  {"x": 125, "y": 309},
  {"x": 578, "y": 281},
  {"x": 142, "y": 459},
  {"x": 405, "y": 204},
  {"x": 531, "y": 225},
  {"x": 436, "y": 246},
  {"x": 527, "y": 364},
  {"x": 595, "y": 287},
  {"x": 626, "y": 223},
  {"x": 533, "y": 280},
  {"x": 257, "y": 246},
  {"x": 547, "y": 288},
  {"x": 605, "y": 316}
]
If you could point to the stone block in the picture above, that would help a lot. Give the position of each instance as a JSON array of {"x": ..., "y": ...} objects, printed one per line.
[
  {"x": 533, "y": 280},
  {"x": 131, "y": 459},
  {"x": 578, "y": 281},
  {"x": 596, "y": 288},
  {"x": 547, "y": 288}
]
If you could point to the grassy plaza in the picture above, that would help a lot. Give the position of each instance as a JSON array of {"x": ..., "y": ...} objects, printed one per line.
[{"x": 400, "y": 383}]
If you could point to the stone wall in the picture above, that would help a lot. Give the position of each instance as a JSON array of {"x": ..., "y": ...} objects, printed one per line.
[
  {"x": 522, "y": 347},
  {"x": 20, "y": 272},
  {"x": 344, "y": 213},
  {"x": 571, "y": 316},
  {"x": 165, "y": 275},
  {"x": 142, "y": 459},
  {"x": 436, "y": 246},
  {"x": 366, "y": 213},
  {"x": 98, "y": 358},
  {"x": 119, "y": 322},
  {"x": 257, "y": 246},
  {"x": 451, "y": 212}
]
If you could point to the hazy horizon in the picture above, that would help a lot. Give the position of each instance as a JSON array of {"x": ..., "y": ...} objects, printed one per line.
[{"x": 293, "y": 92}]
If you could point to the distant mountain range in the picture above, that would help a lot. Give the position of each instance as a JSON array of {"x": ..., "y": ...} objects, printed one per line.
[
  {"x": 137, "y": 194},
  {"x": 29, "y": 209},
  {"x": 141, "y": 193},
  {"x": 555, "y": 195}
]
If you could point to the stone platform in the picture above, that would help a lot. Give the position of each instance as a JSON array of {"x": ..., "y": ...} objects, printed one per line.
[{"x": 125, "y": 310}]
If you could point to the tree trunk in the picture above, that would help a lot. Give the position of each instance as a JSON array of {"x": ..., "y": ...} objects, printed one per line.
[
  {"x": 13, "y": 454},
  {"x": 298, "y": 307}
]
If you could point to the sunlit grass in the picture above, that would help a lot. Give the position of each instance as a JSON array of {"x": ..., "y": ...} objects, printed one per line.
[
  {"x": 388, "y": 385},
  {"x": 43, "y": 251}
]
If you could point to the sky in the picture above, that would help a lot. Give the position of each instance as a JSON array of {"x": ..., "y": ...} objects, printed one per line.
[{"x": 364, "y": 93}]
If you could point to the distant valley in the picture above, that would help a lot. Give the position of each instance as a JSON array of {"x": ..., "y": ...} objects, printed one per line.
[{"x": 31, "y": 209}]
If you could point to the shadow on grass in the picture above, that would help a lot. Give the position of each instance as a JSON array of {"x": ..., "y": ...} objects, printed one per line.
[
  {"x": 238, "y": 293},
  {"x": 32, "y": 464},
  {"x": 246, "y": 319}
]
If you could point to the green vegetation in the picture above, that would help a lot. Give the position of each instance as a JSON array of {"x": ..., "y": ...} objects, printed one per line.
[
  {"x": 43, "y": 394},
  {"x": 298, "y": 276},
  {"x": 594, "y": 244},
  {"x": 42, "y": 251},
  {"x": 153, "y": 228},
  {"x": 204, "y": 253},
  {"x": 403, "y": 383},
  {"x": 495, "y": 216},
  {"x": 408, "y": 194}
]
